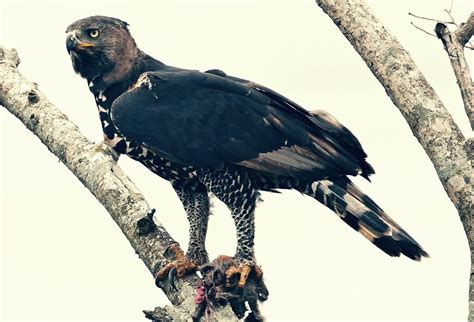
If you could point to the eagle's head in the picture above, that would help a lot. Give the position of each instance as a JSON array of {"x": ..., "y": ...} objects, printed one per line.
[{"x": 100, "y": 46}]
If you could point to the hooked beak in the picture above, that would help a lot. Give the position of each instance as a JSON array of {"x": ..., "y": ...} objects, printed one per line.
[{"x": 72, "y": 43}]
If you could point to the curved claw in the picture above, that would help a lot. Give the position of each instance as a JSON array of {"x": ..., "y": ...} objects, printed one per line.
[
  {"x": 172, "y": 277},
  {"x": 175, "y": 269},
  {"x": 243, "y": 270}
]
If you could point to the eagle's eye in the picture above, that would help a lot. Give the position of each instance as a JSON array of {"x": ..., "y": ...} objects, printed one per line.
[{"x": 94, "y": 33}]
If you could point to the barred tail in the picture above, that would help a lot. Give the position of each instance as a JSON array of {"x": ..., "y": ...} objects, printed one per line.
[{"x": 361, "y": 213}]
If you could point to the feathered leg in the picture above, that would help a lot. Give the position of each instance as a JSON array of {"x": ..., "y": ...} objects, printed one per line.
[
  {"x": 236, "y": 190},
  {"x": 196, "y": 204}
]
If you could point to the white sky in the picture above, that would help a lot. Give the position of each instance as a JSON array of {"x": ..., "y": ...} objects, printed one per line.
[{"x": 62, "y": 256}]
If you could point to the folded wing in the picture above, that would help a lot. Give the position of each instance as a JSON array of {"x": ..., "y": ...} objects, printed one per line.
[{"x": 209, "y": 119}]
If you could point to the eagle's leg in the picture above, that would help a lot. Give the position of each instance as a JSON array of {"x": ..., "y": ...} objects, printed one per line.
[
  {"x": 244, "y": 260},
  {"x": 196, "y": 204},
  {"x": 235, "y": 189}
]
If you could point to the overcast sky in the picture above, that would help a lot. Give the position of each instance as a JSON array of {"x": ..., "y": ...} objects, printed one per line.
[{"x": 64, "y": 258}]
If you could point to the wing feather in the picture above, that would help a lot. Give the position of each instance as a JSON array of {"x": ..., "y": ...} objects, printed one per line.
[{"x": 208, "y": 119}]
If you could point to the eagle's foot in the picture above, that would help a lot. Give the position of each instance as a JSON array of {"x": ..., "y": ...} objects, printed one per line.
[
  {"x": 213, "y": 290},
  {"x": 242, "y": 268},
  {"x": 177, "y": 268}
]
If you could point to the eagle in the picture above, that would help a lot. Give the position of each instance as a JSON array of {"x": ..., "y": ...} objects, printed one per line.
[{"x": 209, "y": 132}]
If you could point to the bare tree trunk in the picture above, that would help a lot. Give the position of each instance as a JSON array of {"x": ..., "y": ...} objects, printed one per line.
[
  {"x": 95, "y": 166},
  {"x": 430, "y": 122}
]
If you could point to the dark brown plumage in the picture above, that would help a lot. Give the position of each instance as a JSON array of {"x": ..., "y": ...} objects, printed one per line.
[{"x": 211, "y": 132}]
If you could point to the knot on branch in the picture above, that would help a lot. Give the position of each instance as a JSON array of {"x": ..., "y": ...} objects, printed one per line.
[
  {"x": 441, "y": 30},
  {"x": 33, "y": 97}
]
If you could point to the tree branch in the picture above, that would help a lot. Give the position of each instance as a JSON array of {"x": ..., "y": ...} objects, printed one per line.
[
  {"x": 454, "y": 46},
  {"x": 423, "y": 30},
  {"x": 95, "y": 166},
  {"x": 430, "y": 19},
  {"x": 465, "y": 32},
  {"x": 424, "y": 112}
]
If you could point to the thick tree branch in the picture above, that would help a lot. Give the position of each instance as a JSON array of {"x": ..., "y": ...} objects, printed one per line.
[
  {"x": 453, "y": 43},
  {"x": 95, "y": 166},
  {"x": 465, "y": 32},
  {"x": 428, "y": 119}
]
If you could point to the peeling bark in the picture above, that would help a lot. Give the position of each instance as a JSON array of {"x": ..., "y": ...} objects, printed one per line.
[
  {"x": 95, "y": 166},
  {"x": 424, "y": 112}
]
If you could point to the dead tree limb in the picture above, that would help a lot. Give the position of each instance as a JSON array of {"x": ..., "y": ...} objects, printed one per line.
[
  {"x": 95, "y": 166},
  {"x": 465, "y": 32},
  {"x": 453, "y": 43},
  {"x": 430, "y": 122}
]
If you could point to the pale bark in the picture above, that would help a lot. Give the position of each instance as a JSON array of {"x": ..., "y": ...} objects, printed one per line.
[
  {"x": 465, "y": 32},
  {"x": 430, "y": 122},
  {"x": 95, "y": 166},
  {"x": 454, "y": 45}
]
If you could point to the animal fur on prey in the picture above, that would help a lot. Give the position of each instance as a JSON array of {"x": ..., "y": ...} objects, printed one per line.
[
  {"x": 216, "y": 290},
  {"x": 208, "y": 132}
]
